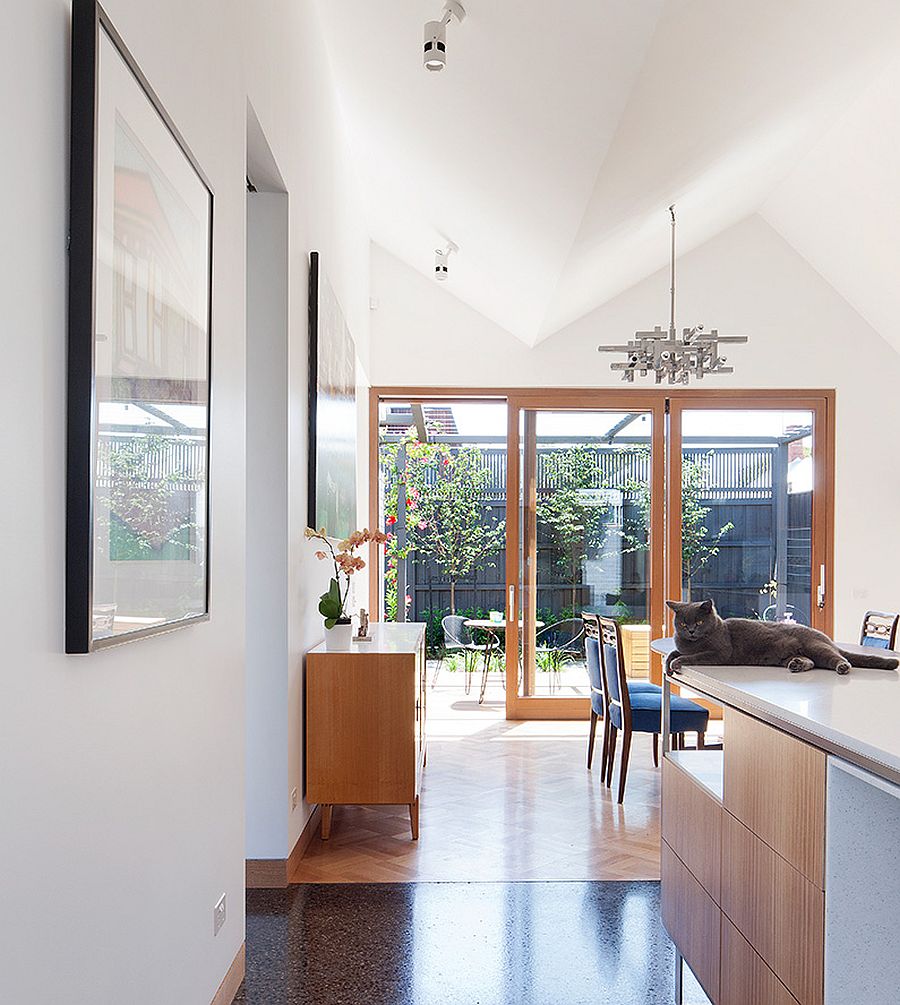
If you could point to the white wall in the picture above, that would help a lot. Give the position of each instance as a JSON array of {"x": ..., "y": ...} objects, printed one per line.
[
  {"x": 746, "y": 281},
  {"x": 121, "y": 773},
  {"x": 290, "y": 89},
  {"x": 267, "y": 503}
]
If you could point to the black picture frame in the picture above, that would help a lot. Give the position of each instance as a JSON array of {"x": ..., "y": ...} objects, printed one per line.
[
  {"x": 91, "y": 31},
  {"x": 331, "y": 473}
]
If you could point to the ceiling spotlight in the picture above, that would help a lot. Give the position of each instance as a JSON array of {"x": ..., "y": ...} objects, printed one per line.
[
  {"x": 442, "y": 260},
  {"x": 435, "y": 50}
]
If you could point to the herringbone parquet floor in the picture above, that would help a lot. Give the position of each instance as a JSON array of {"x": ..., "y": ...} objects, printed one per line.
[{"x": 501, "y": 801}]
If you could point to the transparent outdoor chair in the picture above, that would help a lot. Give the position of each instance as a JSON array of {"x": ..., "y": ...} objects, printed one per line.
[
  {"x": 458, "y": 638},
  {"x": 557, "y": 645}
]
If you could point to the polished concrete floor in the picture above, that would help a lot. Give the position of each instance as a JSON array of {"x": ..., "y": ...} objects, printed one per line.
[{"x": 566, "y": 943}]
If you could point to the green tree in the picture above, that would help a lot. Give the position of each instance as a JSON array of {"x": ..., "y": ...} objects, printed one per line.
[
  {"x": 573, "y": 511},
  {"x": 448, "y": 517},
  {"x": 698, "y": 544}
]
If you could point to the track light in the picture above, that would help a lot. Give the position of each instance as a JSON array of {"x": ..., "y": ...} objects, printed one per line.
[
  {"x": 435, "y": 49},
  {"x": 442, "y": 260}
]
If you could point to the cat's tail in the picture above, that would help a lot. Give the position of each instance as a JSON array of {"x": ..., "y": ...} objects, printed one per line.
[{"x": 870, "y": 662}]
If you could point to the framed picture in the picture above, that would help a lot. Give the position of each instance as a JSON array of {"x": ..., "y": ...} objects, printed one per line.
[
  {"x": 332, "y": 410},
  {"x": 140, "y": 280}
]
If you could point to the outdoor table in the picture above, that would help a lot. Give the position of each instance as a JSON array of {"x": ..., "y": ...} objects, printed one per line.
[{"x": 492, "y": 628}]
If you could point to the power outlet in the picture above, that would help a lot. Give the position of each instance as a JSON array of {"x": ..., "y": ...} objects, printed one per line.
[
  {"x": 295, "y": 798},
  {"x": 219, "y": 915}
]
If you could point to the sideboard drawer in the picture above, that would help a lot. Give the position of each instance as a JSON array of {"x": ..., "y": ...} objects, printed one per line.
[
  {"x": 775, "y": 785},
  {"x": 745, "y": 978},
  {"x": 692, "y": 919}
]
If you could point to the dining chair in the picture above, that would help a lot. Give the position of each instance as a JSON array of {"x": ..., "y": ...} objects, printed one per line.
[
  {"x": 598, "y": 704},
  {"x": 458, "y": 637},
  {"x": 631, "y": 711},
  {"x": 879, "y": 630},
  {"x": 558, "y": 644}
]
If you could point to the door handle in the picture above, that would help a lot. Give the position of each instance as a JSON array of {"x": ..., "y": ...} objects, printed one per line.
[
  {"x": 820, "y": 592},
  {"x": 511, "y": 604}
]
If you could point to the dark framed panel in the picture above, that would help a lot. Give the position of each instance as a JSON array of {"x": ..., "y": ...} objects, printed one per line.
[
  {"x": 140, "y": 308},
  {"x": 332, "y": 410}
]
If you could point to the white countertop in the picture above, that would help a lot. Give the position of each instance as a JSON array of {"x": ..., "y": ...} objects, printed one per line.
[
  {"x": 387, "y": 637},
  {"x": 855, "y": 716}
]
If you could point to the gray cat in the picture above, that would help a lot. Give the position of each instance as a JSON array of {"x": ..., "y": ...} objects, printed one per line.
[{"x": 702, "y": 638}]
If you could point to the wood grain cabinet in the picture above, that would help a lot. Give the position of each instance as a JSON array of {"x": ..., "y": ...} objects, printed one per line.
[
  {"x": 743, "y": 852},
  {"x": 365, "y": 722}
]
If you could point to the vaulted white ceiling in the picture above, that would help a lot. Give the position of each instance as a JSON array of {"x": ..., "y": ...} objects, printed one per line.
[{"x": 552, "y": 143}]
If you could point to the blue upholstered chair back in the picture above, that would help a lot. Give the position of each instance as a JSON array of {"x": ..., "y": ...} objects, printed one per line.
[
  {"x": 595, "y": 674},
  {"x": 879, "y": 630},
  {"x": 610, "y": 648}
]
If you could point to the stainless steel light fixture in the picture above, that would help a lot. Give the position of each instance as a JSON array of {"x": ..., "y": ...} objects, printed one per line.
[
  {"x": 435, "y": 45},
  {"x": 666, "y": 355}
]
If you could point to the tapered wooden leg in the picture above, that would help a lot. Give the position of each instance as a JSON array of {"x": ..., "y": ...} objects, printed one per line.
[
  {"x": 327, "y": 809},
  {"x": 414, "y": 819},
  {"x": 604, "y": 752},
  {"x": 623, "y": 764},
  {"x": 656, "y": 750},
  {"x": 611, "y": 754},
  {"x": 701, "y": 741},
  {"x": 592, "y": 735}
]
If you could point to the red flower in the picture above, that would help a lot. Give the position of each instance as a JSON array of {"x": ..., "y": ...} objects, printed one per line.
[
  {"x": 391, "y": 520},
  {"x": 408, "y": 501}
]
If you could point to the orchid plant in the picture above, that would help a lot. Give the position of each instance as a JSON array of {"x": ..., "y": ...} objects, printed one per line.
[{"x": 333, "y": 602}]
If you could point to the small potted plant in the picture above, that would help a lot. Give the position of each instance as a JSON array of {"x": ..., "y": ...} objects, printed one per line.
[{"x": 333, "y": 603}]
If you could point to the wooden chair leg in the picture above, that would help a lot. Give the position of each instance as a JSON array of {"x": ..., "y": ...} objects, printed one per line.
[
  {"x": 623, "y": 764},
  {"x": 701, "y": 741},
  {"x": 611, "y": 754},
  {"x": 604, "y": 752},
  {"x": 592, "y": 736},
  {"x": 656, "y": 750}
]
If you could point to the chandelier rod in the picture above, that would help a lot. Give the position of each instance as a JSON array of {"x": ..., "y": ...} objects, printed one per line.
[{"x": 672, "y": 288}]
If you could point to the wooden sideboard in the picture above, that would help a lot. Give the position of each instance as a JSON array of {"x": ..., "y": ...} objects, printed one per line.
[
  {"x": 365, "y": 722},
  {"x": 743, "y": 864}
]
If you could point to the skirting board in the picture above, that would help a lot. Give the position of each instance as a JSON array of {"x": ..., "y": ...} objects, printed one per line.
[
  {"x": 275, "y": 873},
  {"x": 232, "y": 980}
]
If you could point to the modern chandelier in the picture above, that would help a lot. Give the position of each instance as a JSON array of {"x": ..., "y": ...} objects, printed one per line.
[{"x": 666, "y": 355}]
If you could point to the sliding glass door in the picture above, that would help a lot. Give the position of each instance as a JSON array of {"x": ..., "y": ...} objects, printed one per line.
[
  {"x": 512, "y": 513},
  {"x": 582, "y": 527},
  {"x": 752, "y": 528}
]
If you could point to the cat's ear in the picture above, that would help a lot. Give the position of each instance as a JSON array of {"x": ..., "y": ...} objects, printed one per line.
[
  {"x": 706, "y": 607},
  {"x": 674, "y": 605}
]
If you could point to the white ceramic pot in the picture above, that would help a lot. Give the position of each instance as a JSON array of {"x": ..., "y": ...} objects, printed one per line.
[{"x": 337, "y": 639}]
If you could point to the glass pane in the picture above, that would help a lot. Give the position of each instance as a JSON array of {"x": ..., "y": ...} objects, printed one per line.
[
  {"x": 746, "y": 512},
  {"x": 585, "y": 540},
  {"x": 443, "y": 503}
]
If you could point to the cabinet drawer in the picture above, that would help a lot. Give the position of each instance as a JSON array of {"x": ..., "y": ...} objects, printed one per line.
[
  {"x": 692, "y": 919},
  {"x": 745, "y": 978},
  {"x": 776, "y": 909},
  {"x": 692, "y": 826},
  {"x": 775, "y": 785}
]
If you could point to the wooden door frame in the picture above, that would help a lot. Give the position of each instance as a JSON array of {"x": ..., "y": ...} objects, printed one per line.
[
  {"x": 559, "y": 400},
  {"x": 663, "y": 476},
  {"x": 822, "y": 405}
]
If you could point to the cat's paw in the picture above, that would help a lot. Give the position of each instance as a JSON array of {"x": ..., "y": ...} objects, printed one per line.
[
  {"x": 800, "y": 664},
  {"x": 843, "y": 667},
  {"x": 675, "y": 664}
]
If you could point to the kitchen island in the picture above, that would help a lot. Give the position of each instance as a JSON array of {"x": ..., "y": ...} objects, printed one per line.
[{"x": 780, "y": 883}]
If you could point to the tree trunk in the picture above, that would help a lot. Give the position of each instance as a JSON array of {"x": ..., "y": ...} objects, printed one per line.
[{"x": 452, "y": 597}]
